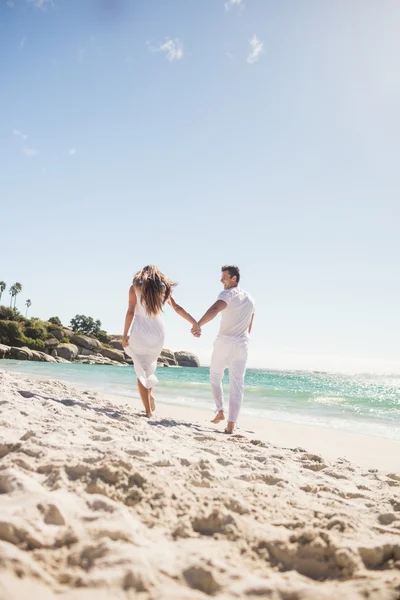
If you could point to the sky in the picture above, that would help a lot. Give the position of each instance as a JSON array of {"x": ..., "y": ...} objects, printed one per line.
[{"x": 191, "y": 134}]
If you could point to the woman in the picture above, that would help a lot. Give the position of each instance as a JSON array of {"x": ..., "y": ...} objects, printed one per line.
[{"x": 149, "y": 291}]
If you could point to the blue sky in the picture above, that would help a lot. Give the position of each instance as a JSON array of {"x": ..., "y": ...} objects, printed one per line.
[{"x": 194, "y": 133}]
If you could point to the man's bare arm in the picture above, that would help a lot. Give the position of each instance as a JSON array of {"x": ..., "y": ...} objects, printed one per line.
[
  {"x": 212, "y": 312},
  {"x": 251, "y": 323}
]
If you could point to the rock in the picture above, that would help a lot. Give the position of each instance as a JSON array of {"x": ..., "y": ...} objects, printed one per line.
[
  {"x": 185, "y": 359},
  {"x": 113, "y": 354},
  {"x": 4, "y": 351},
  {"x": 68, "y": 351},
  {"x": 21, "y": 353},
  {"x": 59, "y": 334},
  {"x": 42, "y": 356},
  {"x": 86, "y": 342},
  {"x": 51, "y": 343},
  {"x": 61, "y": 360},
  {"x": 84, "y": 351},
  {"x": 116, "y": 344},
  {"x": 168, "y": 357},
  {"x": 96, "y": 359}
]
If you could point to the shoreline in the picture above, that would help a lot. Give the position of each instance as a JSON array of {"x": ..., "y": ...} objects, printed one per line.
[{"x": 365, "y": 450}]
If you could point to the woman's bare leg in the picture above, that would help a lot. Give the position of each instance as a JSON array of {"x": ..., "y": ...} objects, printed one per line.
[
  {"x": 145, "y": 395},
  {"x": 152, "y": 401}
]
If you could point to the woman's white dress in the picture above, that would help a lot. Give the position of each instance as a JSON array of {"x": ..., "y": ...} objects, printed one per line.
[{"x": 146, "y": 341}]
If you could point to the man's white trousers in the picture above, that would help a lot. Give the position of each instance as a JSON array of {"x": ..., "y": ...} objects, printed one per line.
[{"x": 229, "y": 353}]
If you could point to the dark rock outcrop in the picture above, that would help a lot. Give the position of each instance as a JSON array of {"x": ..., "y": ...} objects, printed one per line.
[
  {"x": 86, "y": 342},
  {"x": 67, "y": 351},
  {"x": 186, "y": 359},
  {"x": 117, "y": 355},
  {"x": 4, "y": 351}
]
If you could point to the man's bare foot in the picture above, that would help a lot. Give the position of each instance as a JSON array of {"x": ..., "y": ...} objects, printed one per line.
[
  {"x": 230, "y": 427},
  {"x": 149, "y": 414},
  {"x": 152, "y": 403},
  {"x": 218, "y": 417}
]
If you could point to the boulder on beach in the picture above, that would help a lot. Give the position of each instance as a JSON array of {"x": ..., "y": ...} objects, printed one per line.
[
  {"x": 59, "y": 334},
  {"x": 86, "y": 342},
  {"x": 186, "y": 359},
  {"x": 116, "y": 344},
  {"x": 51, "y": 343},
  {"x": 21, "y": 353},
  {"x": 58, "y": 359},
  {"x": 117, "y": 355},
  {"x": 96, "y": 359},
  {"x": 68, "y": 351},
  {"x": 167, "y": 357},
  {"x": 42, "y": 356},
  {"x": 4, "y": 351}
]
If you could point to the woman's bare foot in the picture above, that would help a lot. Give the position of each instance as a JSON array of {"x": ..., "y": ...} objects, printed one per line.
[
  {"x": 218, "y": 417},
  {"x": 230, "y": 427},
  {"x": 152, "y": 403}
]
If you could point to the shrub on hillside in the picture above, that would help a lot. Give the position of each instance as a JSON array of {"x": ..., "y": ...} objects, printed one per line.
[
  {"x": 31, "y": 343},
  {"x": 10, "y": 333},
  {"x": 103, "y": 337},
  {"x": 36, "y": 330},
  {"x": 6, "y": 313},
  {"x": 55, "y": 321},
  {"x": 64, "y": 340}
]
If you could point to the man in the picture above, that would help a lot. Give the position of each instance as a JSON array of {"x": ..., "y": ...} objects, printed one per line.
[{"x": 231, "y": 345}]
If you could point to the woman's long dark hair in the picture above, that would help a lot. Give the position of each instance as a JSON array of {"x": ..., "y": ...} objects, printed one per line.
[{"x": 154, "y": 287}]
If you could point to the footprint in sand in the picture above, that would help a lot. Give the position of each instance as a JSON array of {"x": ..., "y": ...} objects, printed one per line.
[{"x": 102, "y": 438}]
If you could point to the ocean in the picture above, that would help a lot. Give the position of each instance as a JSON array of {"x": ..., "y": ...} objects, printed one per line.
[{"x": 366, "y": 404}]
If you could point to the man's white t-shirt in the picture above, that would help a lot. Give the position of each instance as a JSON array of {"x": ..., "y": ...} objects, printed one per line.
[{"x": 237, "y": 315}]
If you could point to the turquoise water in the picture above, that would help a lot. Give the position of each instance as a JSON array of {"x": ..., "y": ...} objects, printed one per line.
[{"x": 366, "y": 403}]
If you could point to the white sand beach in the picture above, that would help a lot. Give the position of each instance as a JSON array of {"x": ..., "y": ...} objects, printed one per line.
[{"x": 98, "y": 502}]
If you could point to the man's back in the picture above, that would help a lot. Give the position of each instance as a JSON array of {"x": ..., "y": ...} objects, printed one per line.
[{"x": 237, "y": 315}]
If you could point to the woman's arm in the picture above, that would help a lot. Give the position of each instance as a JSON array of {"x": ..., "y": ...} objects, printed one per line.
[
  {"x": 130, "y": 313},
  {"x": 181, "y": 311}
]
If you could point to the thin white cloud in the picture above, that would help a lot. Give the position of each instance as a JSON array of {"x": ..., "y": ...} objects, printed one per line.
[
  {"x": 72, "y": 151},
  {"x": 30, "y": 152},
  {"x": 42, "y": 4},
  {"x": 82, "y": 51},
  {"x": 232, "y": 3},
  {"x": 10, "y": 4},
  {"x": 19, "y": 134},
  {"x": 22, "y": 43},
  {"x": 173, "y": 49},
  {"x": 256, "y": 49}
]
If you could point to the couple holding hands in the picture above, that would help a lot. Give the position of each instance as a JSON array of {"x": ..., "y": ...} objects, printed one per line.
[{"x": 149, "y": 291}]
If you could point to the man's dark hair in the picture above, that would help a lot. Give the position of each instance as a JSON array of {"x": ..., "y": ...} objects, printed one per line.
[{"x": 232, "y": 270}]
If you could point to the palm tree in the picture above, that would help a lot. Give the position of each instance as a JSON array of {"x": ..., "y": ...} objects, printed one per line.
[
  {"x": 18, "y": 289},
  {"x": 12, "y": 292},
  {"x": 28, "y": 303},
  {"x": 3, "y": 286}
]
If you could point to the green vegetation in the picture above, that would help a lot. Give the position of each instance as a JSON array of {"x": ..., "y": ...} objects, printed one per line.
[
  {"x": 55, "y": 321},
  {"x": 17, "y": 330},
  {"x": 85, "y": 325}
]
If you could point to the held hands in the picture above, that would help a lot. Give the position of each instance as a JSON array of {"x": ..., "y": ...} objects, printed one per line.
[
  {"x": 196, "y": 330},
  {"x": 124, "y": 341}
]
